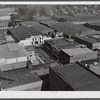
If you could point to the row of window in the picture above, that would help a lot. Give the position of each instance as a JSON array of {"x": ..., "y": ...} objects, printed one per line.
[{"x": 78, "y": 58}]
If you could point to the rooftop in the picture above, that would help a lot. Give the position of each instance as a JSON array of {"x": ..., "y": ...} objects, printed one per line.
[
  {"x": 43, "y": 55},
  {"x": 58, "y": 41},
  {"x": 2, "y": 37},
  {"x": 22, "y": 32},
  {"x": 49, "y": 23},
  {"x": 93, "y": 65},
  {"x": 37, "y": 26},
  {"x": 17, "y": 77},
  {"x": 43, "y": 69},
  {"x": 78, "y": 78},
  {"x": 42, "y": 18},
  {"x": 6, "y": 11},
  {"x": 12, "y": 50},
  {"x": 88, "y": 38},
  {"x": 76, "y": 51},
  {"x": 87, "y": 18},
  {"x": 69, "y": 28},
  {"x": 64, "y": 46},
  {"x": 3, "y": 24},
  {"x": 28, "y": 23}
]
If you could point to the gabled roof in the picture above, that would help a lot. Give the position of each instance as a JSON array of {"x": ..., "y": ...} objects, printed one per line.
[
  {"x": 22, "y": 32},
  {"x": 69, "y": 28},
  {"x": 37, "y": 26}
]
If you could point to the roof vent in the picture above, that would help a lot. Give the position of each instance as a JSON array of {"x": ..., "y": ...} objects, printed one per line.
[
  {"x": 95, "y": 63},
  {"x": 59, "y": 73},
  {"x": 86, "y": 65}
]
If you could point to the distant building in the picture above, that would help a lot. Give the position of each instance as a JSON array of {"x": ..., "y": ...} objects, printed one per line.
[
  {"x": 89, "y": 18},
  {"x": 76, "y": 54},
  {"x": 3, "y": 25},
  {"x": 70, "y": 30},
  {"x": 41, "y": 18},
  {"x": 27, "y": 36},
  {"x": 49, "y": 23},
  {"x": 4, "y": 19},
  {"x": 20, "y": 80},
  {"x": 91, "y": 41},
  {"x": 37, "y": 26},
  {"x": 2, "y": 38},
  {"x": 92, "y": 65},
  {"x": 72, "y": 77}
]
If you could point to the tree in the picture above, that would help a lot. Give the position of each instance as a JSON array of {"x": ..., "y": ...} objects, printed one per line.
[{"x": 43, "y": 11}]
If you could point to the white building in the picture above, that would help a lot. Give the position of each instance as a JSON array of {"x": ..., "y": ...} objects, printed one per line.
[{"x": 34, "y": 40}]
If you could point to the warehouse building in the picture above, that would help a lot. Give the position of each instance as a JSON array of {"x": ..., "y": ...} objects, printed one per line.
[
  {"x": 4, "y": 26},
  {"x": 76, "y": 54},
  {"x": 49, "y": 23},
  {"x": 70, "y": 30},
  {"x": 91, "y": 41},
  {"x": 5, "y": 14},
  {"x": 20, "y": 80},
  {"x": 37, "y": 26},
  {"x": 90, "y": 18},
  {"x": 92, "y": 65},
  {"x": 54, "y": 46},
  {"x": 27, "y": 36},
  {"x": 72, "y": 77},
  {"x": 49, "y": 44},
  {"x": 14, "y": 56}
]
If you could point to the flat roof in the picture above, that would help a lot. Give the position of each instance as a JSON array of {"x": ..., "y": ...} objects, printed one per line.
[
  {"x": 88, "y": 39},
  {"x": 77, "y": 51},
  {"x": 65, "y": 46},
  {"x": 12, "y": 50},
  {"x": 22, "y": 32},
  {"x": 90, "y": 61},
  {"x": 90, "y": 65},
  {"x": 17, "y": 77},
  {"x": 57, "y": 41},
  {"x": 78, "y": 77}
]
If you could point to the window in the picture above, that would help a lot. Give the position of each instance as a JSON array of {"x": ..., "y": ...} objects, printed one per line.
[{"x": 36, "y": 42}]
